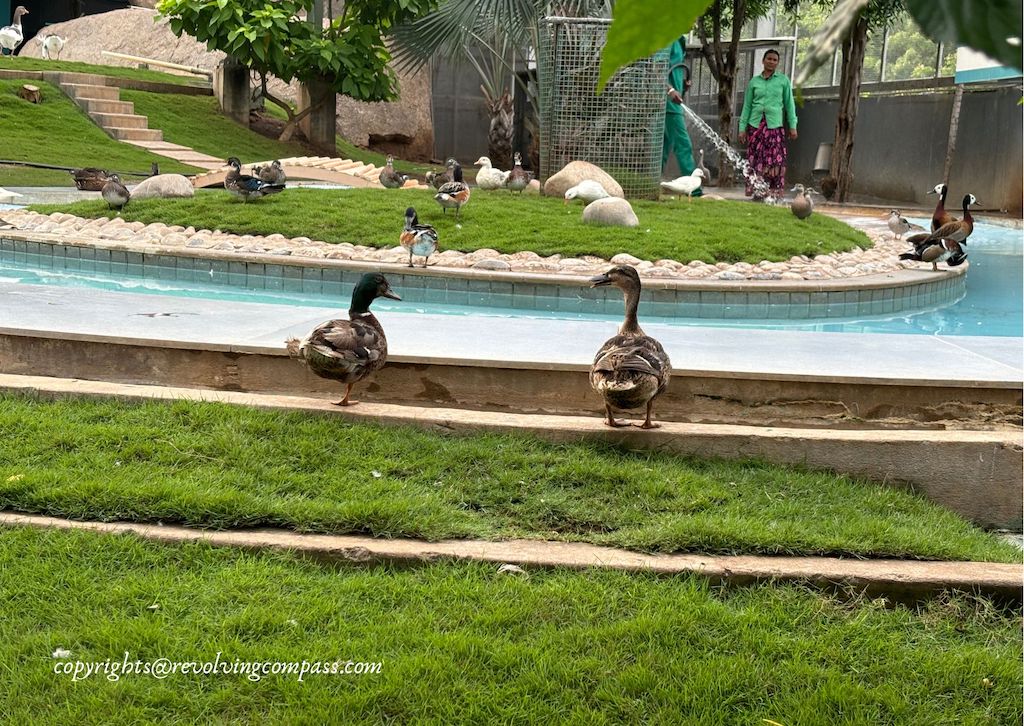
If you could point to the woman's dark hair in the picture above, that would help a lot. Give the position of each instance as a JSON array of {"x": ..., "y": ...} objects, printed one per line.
[{"x": 772, "y": 50}]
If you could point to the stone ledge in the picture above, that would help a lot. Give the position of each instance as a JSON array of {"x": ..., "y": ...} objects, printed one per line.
[{"x": 897, "y": 578}]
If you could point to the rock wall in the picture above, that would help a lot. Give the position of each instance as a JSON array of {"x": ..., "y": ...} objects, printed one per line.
[{"x": 404, "y": 128}]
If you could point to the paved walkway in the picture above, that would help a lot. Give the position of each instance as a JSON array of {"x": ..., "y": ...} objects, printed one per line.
[{"x": 899, "y": 578}]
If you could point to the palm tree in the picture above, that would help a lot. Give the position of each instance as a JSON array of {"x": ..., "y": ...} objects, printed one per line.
[{"x": 495, "y": 37}]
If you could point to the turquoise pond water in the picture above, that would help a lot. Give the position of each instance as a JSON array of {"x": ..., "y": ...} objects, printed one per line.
[{"x": 992, "y": 305}]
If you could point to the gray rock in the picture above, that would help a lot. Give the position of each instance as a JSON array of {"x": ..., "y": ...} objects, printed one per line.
[
  {"x": 164, "y": 186},
  {"x": 610, "y": 211},
  {"x": 492, "y": 264},
  {"x": 576, "y": 171}
]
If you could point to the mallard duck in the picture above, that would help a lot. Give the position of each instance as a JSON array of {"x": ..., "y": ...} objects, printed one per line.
[
  {"x": 588, "y": 190},
  {"x": 115, "y": 194},
  {"x": 685, "y": 184},
  {"x": 348, "y": 350},
  {"x": 488, "y": 177},
  {"x": 244, "y": 185},
  {"x": 272, "y": 174},
  {"x": 900, "y": 225},
  {"x": 945, "y": 242},
  {"x": 802, "y": 204},
  {"x": 419, "y": 239},
  {"x": 11, "y": 35},
  {"x": 90, "y": 178},
  {"x": 518, "y": 178},
  {"x": 631, "y": 369},
  {"x": 940, "y": 216},
  {"x": 389, "y": 178},
  {"x": 455, "y": 193},
  {"x": 438, "y": 179}
]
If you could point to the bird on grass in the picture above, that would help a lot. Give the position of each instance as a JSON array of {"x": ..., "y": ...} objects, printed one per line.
[
  {"x": 419, "y": 239},
  {"x": 115, "y": 194},
  {"x": 12, "y": 35},
  {"x": 802, "y": 205},
  {"x": 685, "y": 184},
  {"x": 518, "y": 178},
  {"x": 455, "y": 193},
  {"x": 348, "y": 350},
  {"x": 389, "y": 178},
  {"x": 438, "y": 179},
  {"x": 245, "y": 185},
  {"x": 272, "y": 174},
  {"x": 588, "y": 190},
  {"x": 631, "y": 369}
]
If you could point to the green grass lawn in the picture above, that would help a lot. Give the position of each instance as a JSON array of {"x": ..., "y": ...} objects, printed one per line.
[
  {"x": 704, "y": 230},
  {"x": 221, "y": 466},
  {"x": 58, "y": 132},
  {"x": 19, "y": 63},
  {"x": 458, "y": 643}
]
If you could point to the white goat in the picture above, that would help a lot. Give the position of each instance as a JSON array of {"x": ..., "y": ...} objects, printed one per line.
[{"x": 52, "y": 46}]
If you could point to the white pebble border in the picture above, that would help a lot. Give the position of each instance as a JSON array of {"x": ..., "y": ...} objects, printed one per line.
[{"x": 882, "y": 257}]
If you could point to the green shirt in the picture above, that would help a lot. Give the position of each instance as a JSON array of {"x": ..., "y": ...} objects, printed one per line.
[
  {"x": 676, "y": 75},
  {"x": 770, "y": 98}
]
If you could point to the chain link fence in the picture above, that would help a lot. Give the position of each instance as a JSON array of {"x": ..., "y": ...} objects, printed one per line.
[{"x": 619, "y": 130}]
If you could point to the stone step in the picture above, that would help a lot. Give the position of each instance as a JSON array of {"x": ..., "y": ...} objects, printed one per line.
[
  {"x": 93, "y": 105},
  {"x": 83, "y": 91},
  {"x": 134, "y": 134},
  {"x": 120, "y": 120}
]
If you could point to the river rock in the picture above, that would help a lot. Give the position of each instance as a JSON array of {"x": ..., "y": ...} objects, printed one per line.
[
  {"x": 491, "y": 263},
  {"x": 611, "y": 212}
]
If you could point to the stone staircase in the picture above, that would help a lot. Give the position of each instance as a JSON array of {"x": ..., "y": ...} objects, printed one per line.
[{"x": 103, "y": 104}]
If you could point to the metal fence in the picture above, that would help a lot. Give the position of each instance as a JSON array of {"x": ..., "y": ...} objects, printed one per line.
[{"x": 619, "y": 130}]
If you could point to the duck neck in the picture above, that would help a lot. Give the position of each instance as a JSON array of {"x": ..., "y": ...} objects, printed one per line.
[
  {"x": 967, "y": 213},
  {"x": 630, "y": 325}
]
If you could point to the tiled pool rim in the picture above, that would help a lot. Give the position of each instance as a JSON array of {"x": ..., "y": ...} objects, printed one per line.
[{"x": 881, "y": 294}]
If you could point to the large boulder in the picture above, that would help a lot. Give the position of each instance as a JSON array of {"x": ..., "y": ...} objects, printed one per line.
[
  {"x": 610, "y": 211},
  {"x": 576, "y": 171},
  {"x": 164, "y": 186}
]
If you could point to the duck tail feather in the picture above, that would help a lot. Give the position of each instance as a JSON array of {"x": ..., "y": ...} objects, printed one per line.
[{"x": 294, "y": 346}]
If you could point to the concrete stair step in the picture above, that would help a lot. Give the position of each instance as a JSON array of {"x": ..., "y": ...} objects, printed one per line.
[
  {"x": 120, "y": 120},
  {"x": 83, "y": 91},
  {"x": 135, "y": 134},
  {"x": 92, "y": 105}
]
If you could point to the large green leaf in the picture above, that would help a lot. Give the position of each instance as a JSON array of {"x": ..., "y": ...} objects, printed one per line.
[
  {"x": 984, "y": 25},
  {"x": 642, "y": 27}
]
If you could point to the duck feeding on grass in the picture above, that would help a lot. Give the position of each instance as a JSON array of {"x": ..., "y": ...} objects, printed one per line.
[
  {"x": 245, "y": 185},
  {"x": 348, "y": 350},
  {"x": 588, "y": 190},
  {"x": 631, "y": 369},
  {"x": 685, "y": 184},
  {"x": 419, "y": 239}
]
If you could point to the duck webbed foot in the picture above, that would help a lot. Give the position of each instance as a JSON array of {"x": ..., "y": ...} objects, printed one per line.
[
  {"x": 648, "y": 424},
  {"x": 609, "y": 419},
  {"x": 346, "y": 401}
]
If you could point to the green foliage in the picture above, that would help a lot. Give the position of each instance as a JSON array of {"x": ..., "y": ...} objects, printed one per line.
[
  {"x": 643, "y": 27},
  {"x": 268, "y": 36},
  {"x": 985, "y": 25}
]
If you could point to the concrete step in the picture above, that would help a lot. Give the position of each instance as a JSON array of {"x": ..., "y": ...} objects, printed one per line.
[
  {"x": 92, "y": 105},
  {"x": 82, "y": 91},
  {"x": 125, "y": 134},
  {"x": 120, "y": 120}
]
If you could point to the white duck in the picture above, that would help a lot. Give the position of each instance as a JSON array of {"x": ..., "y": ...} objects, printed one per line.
[
  {"x": 52, "y": 46},
  {"x": 588, "y": 190},
  {"x": 685, "y": 184},
  {"x": 488, "y": 177},
  {"x": 11, "y": 35}
]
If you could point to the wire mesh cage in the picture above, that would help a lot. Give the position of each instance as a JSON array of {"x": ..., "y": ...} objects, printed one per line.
[{"x": 621, "y": 130}]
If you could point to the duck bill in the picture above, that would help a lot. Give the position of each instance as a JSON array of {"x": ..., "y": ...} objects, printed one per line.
[
  {"x": 391, "y": 294},
  {"x": 600, "y": 281}
]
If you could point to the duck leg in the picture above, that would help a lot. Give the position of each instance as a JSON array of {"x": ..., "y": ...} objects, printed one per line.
[
  {"x": 648, "y": 424},
  {"x": 345, "y": 401},
  {"x": 609, "y": 419},
  {"x": 410, "y": 258},
  {"x": 935, "y": 267}
]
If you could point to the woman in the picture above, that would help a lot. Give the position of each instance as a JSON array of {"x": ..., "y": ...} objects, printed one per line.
[{"x": 768, "y": 103}]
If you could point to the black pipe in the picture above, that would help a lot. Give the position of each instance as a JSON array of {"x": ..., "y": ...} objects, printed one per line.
[{"x": 35, "y": 165}]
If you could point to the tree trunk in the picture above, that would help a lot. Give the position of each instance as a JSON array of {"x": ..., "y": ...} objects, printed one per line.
[
  {"x": 725, "y": 84},
  {"x": 499, "y": 135},
  {"x": 854, "y": 45},
  {"x": 722, "y": 61}
]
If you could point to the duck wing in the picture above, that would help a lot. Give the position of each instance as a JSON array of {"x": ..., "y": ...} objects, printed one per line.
[
  {"x": 627, "y": 356},
  {"x": 345, "y": 349}
]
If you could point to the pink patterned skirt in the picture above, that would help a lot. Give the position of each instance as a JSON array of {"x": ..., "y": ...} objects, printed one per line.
[{"x": 766, "y": 152}]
